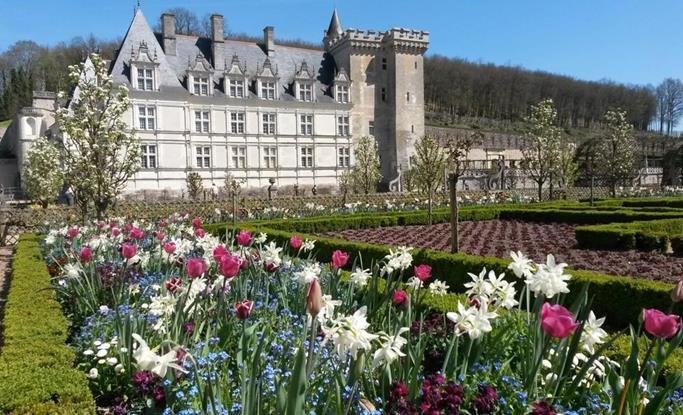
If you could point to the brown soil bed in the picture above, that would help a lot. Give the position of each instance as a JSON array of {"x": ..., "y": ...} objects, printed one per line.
[{"x": 497, "y": 238}]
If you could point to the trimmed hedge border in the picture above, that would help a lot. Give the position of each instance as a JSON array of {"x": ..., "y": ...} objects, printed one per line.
[
  {"x": 655, "y": 235},
  {"x": 36, "y": 366}
]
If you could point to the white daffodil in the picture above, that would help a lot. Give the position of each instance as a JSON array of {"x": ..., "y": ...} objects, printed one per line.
[
  {"x": 271, "y": 254},
  {"x": 326, "y": 312},
  {"x": 146, "y": 359},
  {"x": 521, "y": 266},
  {"x": 309, "y": 273},
  {"x": 390, "y": 350},
  {"x": 163, "y": 305},
  {"x": 308, "y": 245},
  {"x": 414, "y": 283},
  {"x": 480, "y": 286},
  {"x": 72, "y": 270},
  {"x": 438, "y": 287},
  {"x": 93, "y": 373},
  {"x": 549, "y": 279},
  {"x": 260, "y": 238},
  {"x": 350, "y": 335},
  {"x": 474, "y": 321},
  {"x": 399, "y": 260},
  {"x": 593, "y": 333},
  {"x": 360, "y": 277}
]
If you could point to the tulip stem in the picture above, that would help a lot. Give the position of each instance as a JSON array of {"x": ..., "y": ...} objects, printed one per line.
[{"x": 622, "y": 400}]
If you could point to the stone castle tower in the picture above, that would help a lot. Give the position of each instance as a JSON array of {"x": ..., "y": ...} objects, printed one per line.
[{"x": 386, "y": 76}]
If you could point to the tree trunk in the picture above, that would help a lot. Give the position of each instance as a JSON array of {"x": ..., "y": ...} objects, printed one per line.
[
  {"x": 234, "y": 209},
  {"x": 540, "y": 192},
  {"x": 453, "y": 183},
  {"x": 591, "y": 189},
  {"x": 429, "y": 208}
]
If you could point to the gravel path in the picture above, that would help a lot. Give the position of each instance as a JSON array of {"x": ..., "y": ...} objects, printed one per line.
[{"x": 496, "y": 238}]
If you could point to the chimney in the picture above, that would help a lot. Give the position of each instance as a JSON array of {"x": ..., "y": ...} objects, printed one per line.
[
  {"x": 217, "y": 42},
  {"x": 168, "y": 33},
  {"x": 269, "y": 40}
]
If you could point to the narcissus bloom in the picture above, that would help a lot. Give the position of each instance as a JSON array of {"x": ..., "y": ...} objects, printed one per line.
[{"x": 146, "y": 359}]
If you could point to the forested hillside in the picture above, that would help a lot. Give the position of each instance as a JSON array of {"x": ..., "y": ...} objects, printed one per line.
[{"x": 455, "y": 87}]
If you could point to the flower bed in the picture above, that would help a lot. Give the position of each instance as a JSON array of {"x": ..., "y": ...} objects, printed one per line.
[
  {"x": 167, "y": 316},
  {"x": 36, "y": 366}
]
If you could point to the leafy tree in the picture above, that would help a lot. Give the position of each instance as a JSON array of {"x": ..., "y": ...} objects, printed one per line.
[
  {"x": 541, "y": 150},
  {"x": 566, "y": 169},
  {"x": 345, "y": 183},
  {"x": 428, "y": 166},
  {"x": 42, "y": 172},
  {"x": 458, "y": 148},
  {"x": 194, "y": 185},
  {"x": 366, "y": 173},
  {"x": 617, "y": 150},
  {"x": 101, "y": 154}
]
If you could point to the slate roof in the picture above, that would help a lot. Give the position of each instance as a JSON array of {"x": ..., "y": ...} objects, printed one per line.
[{"x": 286, "y": 60}]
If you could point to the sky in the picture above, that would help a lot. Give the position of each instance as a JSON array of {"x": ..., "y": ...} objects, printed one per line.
[{"x": 627, "y": 41}]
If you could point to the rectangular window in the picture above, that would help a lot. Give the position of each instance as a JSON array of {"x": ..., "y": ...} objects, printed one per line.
[
  {"x": 145, "y": 79},
  {"x": 203, "y": 157},
  {"x": 384, "y": 94},
  {"x": 239, "y": 157},
  {"x": 268, "y": 126},
  {"x": 384, "y": 63},
  {"x": 237, "y": 122},
  {"x": 343, "y": 94},
  {"x": 371, "y": 128},
  {"x": 149, "y": 156},
  {"x": 306, "y": 156},
  {"x": 344, "y": 158},
  {"x": 236, "y": 88},
  {"x": 200, "y": 85},
  {"x": 407, "y": 96},
  {"x": 305, "y": 92},
  {"x": 306, "y": 124},
  {"x": 269, "y": 157},
  {"x": 268, "y": 89},
  {"x": 202, "y": 121},
  {"x": 343, "y": 125},
  {"x": 146, "y": 118}
]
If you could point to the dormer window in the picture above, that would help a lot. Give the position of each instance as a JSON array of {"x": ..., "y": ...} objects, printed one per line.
[
  {"x": 268, "y": 89},
  {"x": 145, "y": 79},
  {"x": 306, "y": 92},
  {"x": 200, "y": 85},
  {"x": 342, "y": 87},
  {"x": 236, "y": 88},
  {"x": 342, "y": 94}
]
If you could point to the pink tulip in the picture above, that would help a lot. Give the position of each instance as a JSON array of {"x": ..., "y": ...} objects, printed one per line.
[
  {"x": 557, "y": 321},
  {"x": 115, "y": 231},
  {"x": 295, "y": 242},
  {"x": 314, "y": 298},
  {"x": 72, "y": 233},
  {"x": 244, "y": 238},
  {"x": 199, "y": 232},
  {"x": 86, "y": 254},
  {"x": 173, "y": 284},
  {"x": 137, "y": 233},
  {"x": 219, "y": 252},
  {"x": 159, "y": 236},
  {"x": 195, "y": 267},
  {"x": 423, "y": 272},
  {"x": 339, "y": 259},
  {"x": 661, "y": 325},
  {"x": 400, "y": 299},
  {"x": 196, "y": 223},
  {"x": 243, "y": 309},
  {"x": 129, "y": 250},
  {"x": 127, "y": 227},
  {"x": 230, "y": 266},
  {"x": 169, "y": 247}
]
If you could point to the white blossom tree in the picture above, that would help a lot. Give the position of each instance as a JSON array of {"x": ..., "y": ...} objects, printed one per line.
[
  {"x": 100, "y": 151},
  {"x": 194, "y": 185},
  {"x": 366, "y": 173},
  {"x": 42, "y": 172},
  {"x": 428, "y": 167},
  {"x": 617, "y": 150},
  {"x": 541, "y": 150}
]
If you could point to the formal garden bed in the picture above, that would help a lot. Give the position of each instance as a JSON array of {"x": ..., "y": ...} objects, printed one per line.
[{"x": 495, "y": 237}]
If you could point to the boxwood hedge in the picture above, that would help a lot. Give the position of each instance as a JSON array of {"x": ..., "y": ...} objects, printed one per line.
[
  {"x": 36, "y": 366},
  {"x": 655, "y": 235}
]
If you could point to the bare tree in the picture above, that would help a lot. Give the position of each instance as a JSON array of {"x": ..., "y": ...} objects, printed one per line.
[
  {"x": 458, "y": 148},
  {"x": 429, "y": 164},
  {"x": 669, "y": 104},
  {"x": 186, "y": 21}
]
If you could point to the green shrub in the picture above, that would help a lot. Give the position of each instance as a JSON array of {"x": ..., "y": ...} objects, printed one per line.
[
  {"x": 36, "y": 366},
  {"x": 646, "y": 236},
  {"x": 671, "y": 202}
]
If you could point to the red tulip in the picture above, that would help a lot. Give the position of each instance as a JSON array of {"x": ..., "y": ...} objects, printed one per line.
[
  {"x": 159, "y": 236},
  {"x": 72, "y": 233},
  {"x": 172, "y": 284},
  {"x": 423, "y": 272},
  {"x": 661, "y": 325},
  {"x": 86, "y": 254},
  {"x": 199, "y": 232},
  {"x": 115, "y": 232},
  {"x": 339, "y": 259},
  {"x": 229, "y": 266},
  {"x": 136, "y": 233},
  {"x": 400, "y": 299},
  {"x": 557, "y": 321},
  {"x": 169, "y": 247},
  {"x": 129, "y": 250},
  {"x": 244, "y": 238},
  {"x": 127, "y": 227},
  {"x": 195, "y": 267},
  {"x": 295, "y": 242},
  {"x": 219, "y": 252},
  {"x": 243, "y": 309}
]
